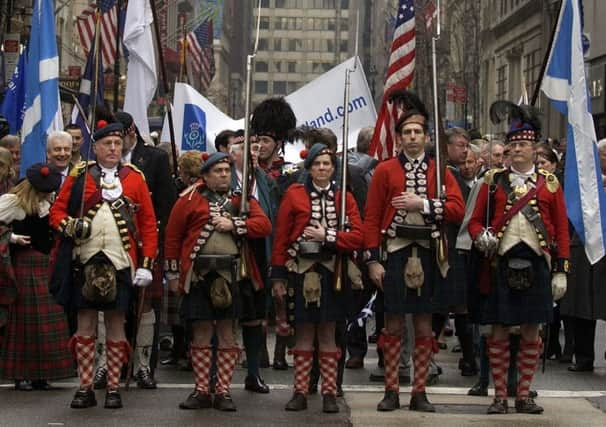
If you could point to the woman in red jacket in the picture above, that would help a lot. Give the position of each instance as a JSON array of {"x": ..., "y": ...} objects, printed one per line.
[{"x": 303, "y": 260}]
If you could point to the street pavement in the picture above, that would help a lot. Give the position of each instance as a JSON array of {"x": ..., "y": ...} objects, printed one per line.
[{"x": 569, "y": 399}]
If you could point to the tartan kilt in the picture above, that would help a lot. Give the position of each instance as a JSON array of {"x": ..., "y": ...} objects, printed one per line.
[
  {"x": 156, "y": 288},
  {"x": 512, "y": 307},
  {"x": 36, "y": 336},
  {"x": 398, "y": 298},
  {"x": 452, "y": 291},
  {"x": 170, "y": 307},
  {"x": 475, "y": 299},
  {"x": 253, "y": 303},
  {"x": 196, "y": 306},
  {"x": 333, "y": 305}
]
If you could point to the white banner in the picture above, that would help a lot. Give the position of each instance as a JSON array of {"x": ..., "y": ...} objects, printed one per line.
[{"x": 318, "y": 104}]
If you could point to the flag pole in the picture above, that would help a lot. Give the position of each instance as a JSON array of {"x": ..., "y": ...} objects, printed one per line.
[
  {"x": 537, "y": 88},
  {"x": 117, "y": 62},
  {"x": 165, "y": 87}
]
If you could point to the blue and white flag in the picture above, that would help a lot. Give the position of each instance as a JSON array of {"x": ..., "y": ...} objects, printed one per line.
[
  {"x": 565, "y": 85},
  {"x": 42, "y": 107},
  {"x": 13, "y": 106}
]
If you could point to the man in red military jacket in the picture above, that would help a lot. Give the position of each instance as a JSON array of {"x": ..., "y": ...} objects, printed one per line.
[
  {"x": 114, "y": 242},
  {"x": 526, "y": 243},
  {"x": 402, "y": 214},
  {"x": 202, "y": 257}
]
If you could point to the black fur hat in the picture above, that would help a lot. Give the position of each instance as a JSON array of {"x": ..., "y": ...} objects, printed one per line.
[{"x": 273, "y": 117}]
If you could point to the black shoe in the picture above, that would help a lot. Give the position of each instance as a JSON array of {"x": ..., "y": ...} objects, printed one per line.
[
  {"x": 313, "y": 388},
  {"x": 171, "y": 361},
  {"x": 581, "y": 367},
  {"x": 100, "y": 379},
  {"x": 145, "y": 380},
  {"x": 255, "y": 384},
  {"x": 197, "y": 400},
  {"x": 390, "y": 402},
  {"x": 340, "y": 392},
  {"x": 566, "y": 358},
  {"x": 84, "y": 398},
  {"x": 528, "y": 406},
  {"x": 113, "y": 400},
  {"x": 185, "y": 365},
  {"x": 41, "y": 385},
  {"x": 280, "y": 354},
  {"x": 478, "y": 389},
  {"x": 419, "y": 402},
  {"x": 372, "y": 339},
  {"x": 468, "y": 369},
  {"x": 498, "y": 406},
  {"x": 298, "y": 402},
  {"x": 23, "y": 385},
  {"x": 354, "y": 362},
  {"x": 264, "y": 358},
  {"x": 280, "y": 365},
  {"x": 224, "y": 403},
  {"x": 329, "y": 404}
]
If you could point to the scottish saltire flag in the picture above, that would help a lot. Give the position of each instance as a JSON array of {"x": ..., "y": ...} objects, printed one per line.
[
  {"x": 42, "y": 107},
  {"x": 85, "y": 98},
  {"x": 13, "y": 106},
  {"x": 565, "y": 85}
]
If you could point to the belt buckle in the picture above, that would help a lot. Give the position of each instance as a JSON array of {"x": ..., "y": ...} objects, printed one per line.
[{"x": 117, "y": 204}]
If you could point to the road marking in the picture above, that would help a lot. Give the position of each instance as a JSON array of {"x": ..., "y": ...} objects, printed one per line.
[{"x": 460, "y": 391}]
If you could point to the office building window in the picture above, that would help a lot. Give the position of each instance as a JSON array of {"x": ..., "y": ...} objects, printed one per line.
[
  {"x": 261, "y": 67},
  {"x": 260, "y": 86},
  {"x": 502, "y": 82},
  {"x": 279, "y": 88}
]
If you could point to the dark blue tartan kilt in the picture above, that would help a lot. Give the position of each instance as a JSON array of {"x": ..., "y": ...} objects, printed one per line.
[
  {"x": 253, "y": 302},
  {"x": 398, "y": 298},
  {"x": 333, "y": 304},
  {"x": 475, "y": 299},
  {"x": 509, "y": 307},
  {"x": 452, "y": 291},
  {"x": 124, "y": 295},
  {"x": 197, "y": 304}
]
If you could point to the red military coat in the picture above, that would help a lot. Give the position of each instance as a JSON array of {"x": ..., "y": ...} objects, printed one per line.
[
  {"x": 135, "y": 189},
  {"x": 187, "y": 218},
  {"x": 550, "y": 199},
  {"x": 389, "y": 181},
  {"x": 294, "y": 215}
]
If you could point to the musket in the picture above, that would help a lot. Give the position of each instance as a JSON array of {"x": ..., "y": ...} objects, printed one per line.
[
  {"x": 165, "y": 88},
  {"x": 340, "y": 270},
  {"x": 244, "y": 205},
  {"x": 441, "y": 244}
]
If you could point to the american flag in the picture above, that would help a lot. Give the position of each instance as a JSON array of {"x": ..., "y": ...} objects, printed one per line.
[
  {"x": 85, "y": 23},
  {"x": 200, "y": 50},
  {"x": 400, "y": 72}
]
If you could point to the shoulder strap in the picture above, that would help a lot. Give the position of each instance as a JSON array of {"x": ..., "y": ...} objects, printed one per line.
[{"x": 521, "y": 205}]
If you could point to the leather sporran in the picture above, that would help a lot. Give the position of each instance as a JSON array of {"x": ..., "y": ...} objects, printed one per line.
[
  {"x": 312, "y": 288},
  {"x": 220, "y": 294},
  {"x": 99, "y": 283},
  {"x": 520, "y": 274},
  {"x": 414, "y": 276}
]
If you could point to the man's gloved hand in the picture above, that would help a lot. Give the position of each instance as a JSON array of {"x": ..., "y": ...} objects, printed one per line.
[
  {"x": 143, "y": 277},
  {"x": 77, "y": 228},
  {"x": 487, "y": 242},
  {"x": 558, "y": 285}
]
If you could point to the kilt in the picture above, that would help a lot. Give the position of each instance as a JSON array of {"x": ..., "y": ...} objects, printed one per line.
[
  {"x": 197, "y": 304},
  {"x": 253, "y": 303},
  {"x": 398, "y": 298},
  {"x": 36, "y": 335},
  {"x": 124, "y": 285},
  {"x": 156, "y": 288},
  {"x": 509, "y": 307},
  {"x": 333, "y": 305},
  {"x": 475, "y": 299},
  {"x": 452, "y": 291}
]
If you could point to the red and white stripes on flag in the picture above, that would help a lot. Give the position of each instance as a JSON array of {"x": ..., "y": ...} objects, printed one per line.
[
  {"x": 399, "y": 76},
  {"x": 200, "y": 52},
  {"x": 85, "y": 23}
]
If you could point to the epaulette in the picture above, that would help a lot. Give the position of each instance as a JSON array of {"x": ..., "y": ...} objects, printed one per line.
[
  {"x": 489, "y": 175},
  {"x": 289, "y": 168},
  {"x": 136, "y": 169},
  {"x": 551, "y": 181},
  {"x": 80, "y": 167}
]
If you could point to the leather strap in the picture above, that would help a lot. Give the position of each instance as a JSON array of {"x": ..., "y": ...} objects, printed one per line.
[{"x": 521, "y": 205}]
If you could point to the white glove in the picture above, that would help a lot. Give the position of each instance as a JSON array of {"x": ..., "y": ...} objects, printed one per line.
[
  {"x": 143, "y": 277},
  {"x": 558, "y": 285},
  {"x": 20, "y": 239},
  {"x": 487, "y": 242}
]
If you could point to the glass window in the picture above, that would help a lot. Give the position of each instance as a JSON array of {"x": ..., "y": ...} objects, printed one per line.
[
  {"x": 291, "y": 87},
  {"x": 277, "y": 66},
  {"x": 344, "y": 4},
  {"x": 260, "y": 86},
  {"x": 264, "y": 24},
  {"x": 261, "y": 66},
  {"x": 330, "y": 24},
  {"x": 292, "y": 67},
  {"x": 344, "y": 24},
  {"x": 502, "y": 82},
  {"x": 343, "y": 45},
  {"x": 264, "y": 3},
  {"x": 263, "y": 44},
  {"x": 279, "y": 88}
]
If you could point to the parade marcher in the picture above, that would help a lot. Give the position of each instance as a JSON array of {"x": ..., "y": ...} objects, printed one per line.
[
  {"x": 272, "y": 121},
  {"x": 202, "y": 261},
  {"x": 35, "y": 349},
  {"x": 7, "y": 173},
  {"x": 527, "y": 239},
  {"x": 13, "y": 144},
  {"x": 401, "y": 212},
  {"x": 59, "y": 152},
  {"x": 77, "y": 140},
  {"x": 265, "y": 191},
  {"x": 154, "y": 164},
  {"x": 303, "y": 263},
  {"x": 113, "y": 242}
]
